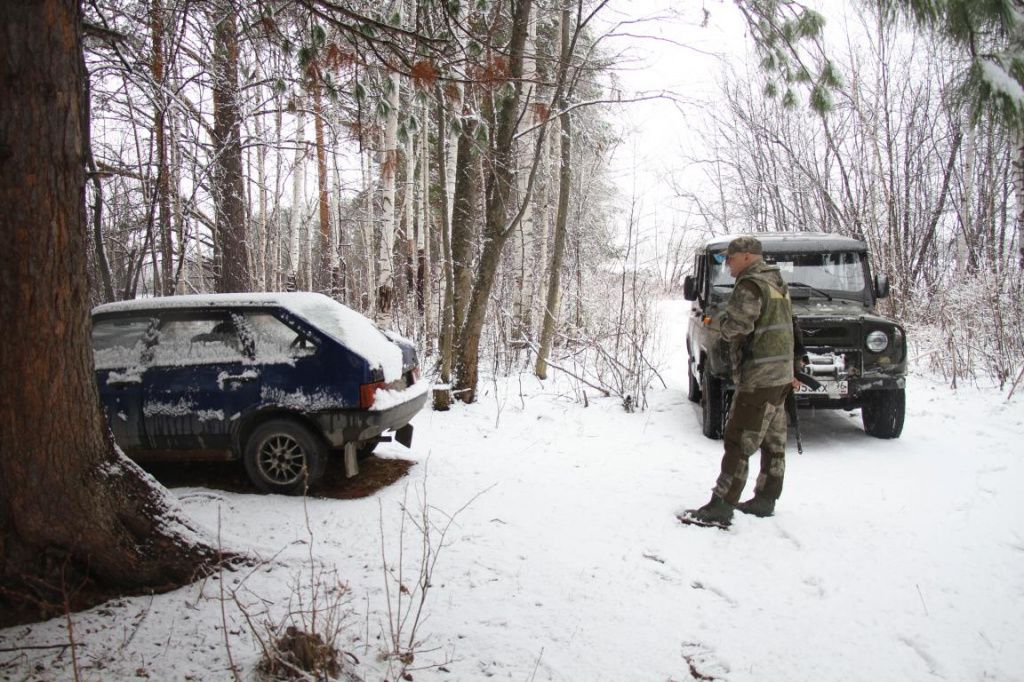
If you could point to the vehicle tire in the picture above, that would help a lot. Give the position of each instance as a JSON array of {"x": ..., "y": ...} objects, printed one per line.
[
  {"x": 284, "y": 457},
  {"x": 711, "y": 406},
  {"x": 883, "y": 413},
  {"x": 693, "y": 389}
]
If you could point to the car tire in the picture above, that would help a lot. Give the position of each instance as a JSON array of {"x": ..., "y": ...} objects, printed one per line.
[
  {"x": 693, "y": 388},
  {"x": 711, "y": 405},
  {"x": 284, "y": 457},
  {"x": 883, "y": 413}
]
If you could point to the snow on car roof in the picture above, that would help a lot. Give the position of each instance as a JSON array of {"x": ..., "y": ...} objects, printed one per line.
[
  {"x": 351, "y": 329},
  {"x": 793, "y": 241}
]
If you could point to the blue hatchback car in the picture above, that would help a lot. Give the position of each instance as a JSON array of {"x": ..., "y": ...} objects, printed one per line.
[{"x": 281, "y": 381}]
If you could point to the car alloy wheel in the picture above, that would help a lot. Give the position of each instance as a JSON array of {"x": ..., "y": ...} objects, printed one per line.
[{"x": 281, "y": 460}]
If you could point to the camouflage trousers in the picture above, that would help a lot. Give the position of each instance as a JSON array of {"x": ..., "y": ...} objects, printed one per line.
[{"x": 757, "y": 419}]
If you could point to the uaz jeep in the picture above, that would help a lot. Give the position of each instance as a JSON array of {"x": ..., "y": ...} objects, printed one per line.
[{"x": 858, "y": 356}]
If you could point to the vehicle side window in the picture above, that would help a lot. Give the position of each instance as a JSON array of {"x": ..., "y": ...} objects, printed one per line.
[
  {"x": 698, "y": 275},
  {"x": 118, "y": 343},
  {"x": 198, "y": 340},
  {"x": 275, "y": 341}
]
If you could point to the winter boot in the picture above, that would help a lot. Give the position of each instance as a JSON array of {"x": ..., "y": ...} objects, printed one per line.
[
  {"x": 758, "y": 505},
  {"x": 717, "y": 512}
]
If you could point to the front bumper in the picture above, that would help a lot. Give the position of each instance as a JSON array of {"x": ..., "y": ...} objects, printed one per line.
[{"x": 856, "y": 389}]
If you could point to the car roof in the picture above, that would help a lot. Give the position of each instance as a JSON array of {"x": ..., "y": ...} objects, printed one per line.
[
  {"x": 787, "y": 242},
  {"x": 353, "y": 330},
  {"x": 290, "y": 300}
]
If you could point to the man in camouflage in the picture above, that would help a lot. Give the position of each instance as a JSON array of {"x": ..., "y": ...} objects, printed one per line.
[{"x": 758, "y": 327}]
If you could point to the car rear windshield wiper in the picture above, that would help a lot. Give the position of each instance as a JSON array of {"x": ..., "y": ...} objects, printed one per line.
[
  {"x": 808, "y": 286},
  {"x": 724, "y": 286}
]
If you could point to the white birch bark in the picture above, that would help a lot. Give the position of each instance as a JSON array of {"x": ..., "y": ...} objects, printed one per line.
[
  {"x": 274, "y": 250},
  {"x": 423, "y": 236},
  {"x": 335, "y": 259},
  {"x": 409, "y": 206},
  {"x": 389, "y": 166},
  {"x": 523, "y": 237},
  {"x": 450, "y": 161},
  {"x": 366, "y": 233}
]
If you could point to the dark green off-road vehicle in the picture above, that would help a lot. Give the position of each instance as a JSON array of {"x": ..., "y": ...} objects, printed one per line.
[{"x": 858, "y": 356}]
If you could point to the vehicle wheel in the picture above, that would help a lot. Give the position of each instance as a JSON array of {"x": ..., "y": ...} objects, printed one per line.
[
  {"x": 284, "y": 457},
  {"x": 711, "y": 405},
  {"x": 883, "y": 413},
  {"x": 693, "y": 390}
]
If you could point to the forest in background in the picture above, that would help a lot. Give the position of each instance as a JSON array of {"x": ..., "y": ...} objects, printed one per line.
[{"x": 444, "y": 168}]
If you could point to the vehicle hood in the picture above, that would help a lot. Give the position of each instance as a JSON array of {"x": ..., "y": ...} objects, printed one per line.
[
  {"x": 819, "y": 307},
  {"x": 839, "y": 310}
]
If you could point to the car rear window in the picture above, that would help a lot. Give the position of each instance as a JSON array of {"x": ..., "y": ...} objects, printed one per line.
[{"x": 118, "y": 343}]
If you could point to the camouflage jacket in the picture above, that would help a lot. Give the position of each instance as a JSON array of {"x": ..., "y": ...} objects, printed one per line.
[{"x": 758, "y": 327}]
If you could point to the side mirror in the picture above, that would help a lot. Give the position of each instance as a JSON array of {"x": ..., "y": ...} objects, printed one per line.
[
  {"x": 881, "y": 286},
  {"x": 689, "y": 288}
]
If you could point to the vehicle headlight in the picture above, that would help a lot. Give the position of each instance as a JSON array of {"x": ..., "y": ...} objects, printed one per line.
[{"x": 877, "y": 341}]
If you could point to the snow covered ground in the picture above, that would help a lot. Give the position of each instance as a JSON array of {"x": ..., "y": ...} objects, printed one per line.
[{"x": 886, "y": 560}]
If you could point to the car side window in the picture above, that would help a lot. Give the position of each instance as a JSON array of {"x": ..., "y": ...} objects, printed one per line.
[
  {"x": 275, "y": 341},
  {"x": 197, "y": 340},
  {"x": 118, "y": 343}
]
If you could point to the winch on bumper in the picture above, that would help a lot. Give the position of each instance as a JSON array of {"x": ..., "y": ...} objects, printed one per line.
[{"x": 843, "y": 384}]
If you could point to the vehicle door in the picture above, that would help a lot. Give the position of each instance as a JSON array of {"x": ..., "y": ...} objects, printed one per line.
[
  {"x": 286, "y": 352},
  {"x": 118, "y": 345},
  {"x": 200, "y": 380}
]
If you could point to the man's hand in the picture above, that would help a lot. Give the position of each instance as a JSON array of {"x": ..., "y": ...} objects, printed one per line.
[{"x": 795, "y": 383}]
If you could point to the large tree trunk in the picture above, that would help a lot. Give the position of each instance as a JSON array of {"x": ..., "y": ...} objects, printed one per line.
[
  {"x": 464, "y": 213},
  {"x": 561, "y": 219},
  {"x": 388, "y": 179},
  {"x": 298, "y": 200},
  {"x": 501, "y": 183},
  {"x": 524, "y": 235},
  {"x": 321, "y": 279},
  {"x": 163, "y": 279},
  {"x": 70, "y": 505},
  {"x": 442, "y": 395},
  {"x": 229, "y": 193}
]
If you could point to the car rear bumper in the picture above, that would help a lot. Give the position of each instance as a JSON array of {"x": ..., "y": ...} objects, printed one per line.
[{"x": 354, "y": 426}]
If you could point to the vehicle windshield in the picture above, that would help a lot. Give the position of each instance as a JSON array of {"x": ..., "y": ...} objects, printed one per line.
[{"x": 838, "y": 274}]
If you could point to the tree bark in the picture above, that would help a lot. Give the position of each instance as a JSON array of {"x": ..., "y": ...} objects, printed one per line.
[
  {"x": 229, "y": 192},
  {"x": 165, "y": 282},
  {"x": 71, "y": 507},
  {"x": 298, "y": 200},
  {"x": 561, "y": 219},
  {"x": 501, "y": 182},
  {"x": 322, "y": 278},
  {"x": 464, "y": 213},
  {"x": 388, "y": 180},
  {"x": 442, "y": 396}
]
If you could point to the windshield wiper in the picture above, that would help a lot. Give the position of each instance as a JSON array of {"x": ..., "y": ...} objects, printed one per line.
[
  {"x": 724, "y": 286},
  {"x": 814, "y": 289}
]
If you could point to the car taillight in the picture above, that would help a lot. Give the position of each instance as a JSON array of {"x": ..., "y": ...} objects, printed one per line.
[{"x": 366, "y": 393}]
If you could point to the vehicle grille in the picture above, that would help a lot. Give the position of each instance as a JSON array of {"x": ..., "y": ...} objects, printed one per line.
[{"x": 818, "y": 334}]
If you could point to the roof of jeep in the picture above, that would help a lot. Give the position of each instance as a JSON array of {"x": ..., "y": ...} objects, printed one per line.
[{"x": 789, "y": 242}]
